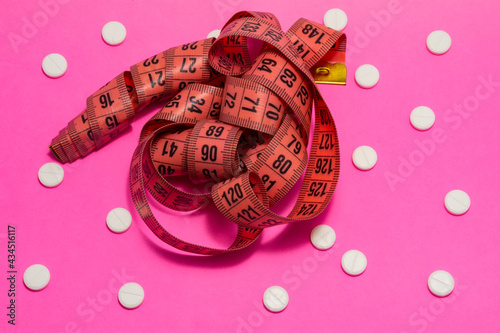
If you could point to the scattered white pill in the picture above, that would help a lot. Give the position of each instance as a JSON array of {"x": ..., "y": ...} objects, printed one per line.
[
  {"x": 422, "y": 118},
  {"x": 441, "y": 283},
  {"x": 51, "y": 174},
  {"x": 36, "y": 277},
  {"x": 354, "y": 262},
  {"x": 367, "y": 76},
  {"x": 323, "y": 237},
  {"x": 114, "y": 33},
  {"x": 275, "y": 299},
  {"x": 54, "y": 65},
  {"x": 438, "y": 42},
  {"x": 131, "y": 295},
  {"x": 457, "y": 202},
  {"x": 364, "y": 157},
  {"x": 214, "y": 33},
  {"x": 119, "y": 220},
  {"x": 336, "y": 19}
]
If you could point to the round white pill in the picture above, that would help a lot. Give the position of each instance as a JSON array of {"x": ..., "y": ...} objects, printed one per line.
[
  {"x": 275, "y": 299},
  {"x": 422, "y": 118},
  {"x": 367, "y": 76},
  {"x": 214, "y": 33},
  {"x": 364, "y": 157},
  {"x": 323, "y": 237},
  {"x": 114, "y": 33},
  {"x": 457, "y": 202},
  {"x": 438, "y": 42},
  {"x": 131, "y": 295},
  {"x": 119, "y": 220},
  {"x": 54, "y": 65},
  {"x": 441, "y": 283},
  {"x": 335, "y": 18},
  {"x": 36, "y": 277},
  {"x": 51, "y": 174},
  {"x": 354, "y": 262}
]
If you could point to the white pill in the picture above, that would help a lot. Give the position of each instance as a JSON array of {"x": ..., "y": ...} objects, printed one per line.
[
  {"x": 323, "y": 237},
  {"x": 354, "y": 262},
  {"x": 54, "y": 65},
  {"x": 457, "y": 202},
  {"x": 364, "y": 157},
  {"x": 114, "y": 33},
  {"x": 438, "y": 42},
  {"x": 336, "y": 19},
  {"x": 275, "y": 299},
  {"x": 119, "y": 220},
  {"x": 367, "y": 76},
  {"x": 422, "y": 118},
  {"x": 131, "y": 295},
  {"x": 441, "y": 283},
  {"x": 36, "y": 277},
  {"x": 51, "y": 174},
  {"x": 214, "y": 33}
]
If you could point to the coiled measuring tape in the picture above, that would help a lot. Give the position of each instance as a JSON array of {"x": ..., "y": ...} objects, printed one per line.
[{"x": 240, "y": 125}]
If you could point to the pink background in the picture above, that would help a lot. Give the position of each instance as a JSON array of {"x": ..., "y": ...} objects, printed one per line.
[{"x": 400, "y": 225}]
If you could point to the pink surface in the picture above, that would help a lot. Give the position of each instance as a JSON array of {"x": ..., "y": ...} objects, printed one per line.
[{"x": 393, "y": 213}]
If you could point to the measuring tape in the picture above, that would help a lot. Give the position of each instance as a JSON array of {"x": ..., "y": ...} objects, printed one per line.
[{"x": 238, "y": 125}]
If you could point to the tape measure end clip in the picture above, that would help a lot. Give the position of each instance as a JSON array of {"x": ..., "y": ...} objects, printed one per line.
[
  {"x": 328, "y": 73},
  {"x": 55, "y": 154}
]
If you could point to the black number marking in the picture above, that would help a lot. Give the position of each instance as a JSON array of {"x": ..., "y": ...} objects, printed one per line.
[
  {"x": 153, "y": 61},
  {"x": 282, "y": 164},
  {"x": 265, "y": 179},
  {"x": 209, "y": 153},
  {"x": 191, "y": 68},
  {"x": 325, "y": 117},
  {"x": 298, "y": 145},
  {"x": 165, "y": 171},
  {"x": 191, "y": 46},
  {"x": 171, "y": 152},
  {"x": 255, "y": 103},
  {"x": 303, "y": 95},
  {"x": 194, "y": 103},
  {"x": 288, "y": 78},
  {"x": 158, "y": 81},
  {"x": 251, "y": 26},
  {"x": 233, "y": 194},
  {"x": 216, "y": 110},
  {"x": 269, "y": 223},
  {"x": 173, "y": 102},
  {"x": 160, "y": 190},
  {"x": 324, "y": 166},
  {"x": 235, "y": 40},
  {"x": 307, "y": 209},
  {"x": 265, "y": 65},
  {"x": 230, "y": 104},
  {"x": 112, "y": 122},
  {"x": 248, "y": 214},
  {"x": 274, "y": 35},
  {"x": 308, "y": 30},
  {"x": 273, "y": 115},
  {"x": 215, "y": 131},
  {"x": 317, "y": 189},
  {"x": 207, "y": 174},
  {"x": 105, "y": 100},
  {"x": 326, "y": 141}
]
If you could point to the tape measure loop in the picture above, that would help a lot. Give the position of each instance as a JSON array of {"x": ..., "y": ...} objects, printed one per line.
[{"x": 247, "y": 140}]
